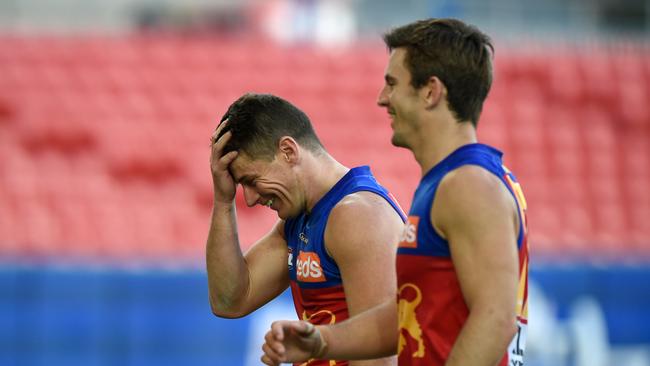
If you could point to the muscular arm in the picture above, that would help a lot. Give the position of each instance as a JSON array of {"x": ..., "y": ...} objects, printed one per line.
[
  {"x": 370, "y": 334},
  {"x": 239, "y": 284},
  {"x": 364, "y": 336},
  {"x": 361, "y": 235},
  {"x": 477, "y": 215}
]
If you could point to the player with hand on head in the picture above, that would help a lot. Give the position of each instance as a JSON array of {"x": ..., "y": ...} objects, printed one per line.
[
  {"x": 334, "y": 243},
  {"x": 462, "y": 262}
]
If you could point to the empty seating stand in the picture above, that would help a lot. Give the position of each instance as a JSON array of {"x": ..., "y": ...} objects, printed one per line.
[{"x": 104, "y": 140}]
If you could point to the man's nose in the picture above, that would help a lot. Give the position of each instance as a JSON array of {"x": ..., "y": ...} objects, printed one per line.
[
  {"x": 382, "y": 98},
  {"x": 250, "y": 196}
]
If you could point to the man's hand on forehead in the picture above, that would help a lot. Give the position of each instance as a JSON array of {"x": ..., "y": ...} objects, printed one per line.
[
  {"x": 219, "y": 131},
  {"x": 224, "y": 184}
]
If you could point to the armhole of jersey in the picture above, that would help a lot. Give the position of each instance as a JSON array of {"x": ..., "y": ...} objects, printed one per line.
[
  {"x": 501, "y": 178},
  {"x": 328, "y": 262},
  {"x": 436, "y": 239},
  {"x": 520, "y": 236},
  {"x": 440, "y": 240},
  {"x": 392, "y": 201}
]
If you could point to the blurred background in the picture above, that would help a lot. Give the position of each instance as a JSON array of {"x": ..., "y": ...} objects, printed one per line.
[{"x": 107, "y": 106}]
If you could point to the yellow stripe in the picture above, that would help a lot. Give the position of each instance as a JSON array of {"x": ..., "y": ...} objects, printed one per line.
[{"x": 522, "y": 302}]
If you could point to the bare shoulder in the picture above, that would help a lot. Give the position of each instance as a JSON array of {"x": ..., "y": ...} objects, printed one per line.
[
  {"x": 472, "y": 181},
  {"x": 470, "y": 192},
  {"x": 362, "y": 218},
  {"x": 469, "y": 177},
  {"x": 363, "y": 208}
]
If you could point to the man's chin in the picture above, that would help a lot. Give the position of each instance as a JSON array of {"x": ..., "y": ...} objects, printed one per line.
[
  {"x": 398, "y": 142},
  {"x": 286, "y": 214}
]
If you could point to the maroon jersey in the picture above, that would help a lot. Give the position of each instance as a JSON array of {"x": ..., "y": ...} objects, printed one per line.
[
  {"x": 432, "y": 310},
  {"x": 316, "y": 283}
]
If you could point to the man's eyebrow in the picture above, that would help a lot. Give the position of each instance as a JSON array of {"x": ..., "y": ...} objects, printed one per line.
[{"x": 244, "y": 179}]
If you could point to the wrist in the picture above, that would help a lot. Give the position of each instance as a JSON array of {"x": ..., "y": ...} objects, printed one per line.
[
  {"x": 323, "y": 344},
  {"x": 223, "y": 205}
]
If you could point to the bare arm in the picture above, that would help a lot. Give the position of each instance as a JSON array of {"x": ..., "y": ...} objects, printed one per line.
[
  {"x": 370, "y": 334},
  {"x": 362, "y": 234},
  {"x": 475, "y": 212},
  {"x": 237, "y": 283}
]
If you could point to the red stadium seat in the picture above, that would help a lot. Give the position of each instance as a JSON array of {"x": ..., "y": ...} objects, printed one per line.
[{"x": 104, "y": 140}]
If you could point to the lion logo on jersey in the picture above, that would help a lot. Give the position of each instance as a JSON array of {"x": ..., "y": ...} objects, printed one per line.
[{"x": 408, "y": 321}]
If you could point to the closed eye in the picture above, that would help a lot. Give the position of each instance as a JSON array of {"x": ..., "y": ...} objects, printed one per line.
[
  {"x": 390, "y": 81},
  {"x": 245, "y": 180}
]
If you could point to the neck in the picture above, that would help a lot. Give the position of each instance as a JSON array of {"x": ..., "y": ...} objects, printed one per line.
[
  {"x": 437, "y": 141},
  {"x": 321, "y": 173}
]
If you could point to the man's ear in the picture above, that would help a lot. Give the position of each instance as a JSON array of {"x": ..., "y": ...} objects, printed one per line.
[
  {"x": 433, "y": 92},
  {"x": 288, "y": 150}
]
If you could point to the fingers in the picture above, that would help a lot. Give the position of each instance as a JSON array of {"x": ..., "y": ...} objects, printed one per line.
[
  {"x": 289, "y": 341},
  {"x": 220, "y": 127},
  {"x": 267, "y": 361},
  {"x": 228, "y": 158},
  {"x": 277, "y": 330},
  {"x": 273, "y": 350},
  {"x": 274, "y": 344},
  {"x": 215, "y": 135},
  {"x": 217, "y": 149},
  {"x": 271, "y": 354},
  {"x": 305, "y": 328},
  {"x": 219, "y": 142}
]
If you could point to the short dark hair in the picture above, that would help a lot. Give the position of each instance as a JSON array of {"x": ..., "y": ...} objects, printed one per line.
[
  {"x": 459, "y": 54},
  {"x": 258, "y": 121}
]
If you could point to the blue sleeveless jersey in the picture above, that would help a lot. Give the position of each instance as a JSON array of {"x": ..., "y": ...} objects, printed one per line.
[
  {"x": 431, "y": 305},
  {"x": 315, "y": 278}
]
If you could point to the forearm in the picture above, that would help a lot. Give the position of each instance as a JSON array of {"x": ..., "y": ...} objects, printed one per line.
[
  {"x": 368, "y": 335},
  {"x": 227, "y": 271},
  {"x": 483, "y": 340}
]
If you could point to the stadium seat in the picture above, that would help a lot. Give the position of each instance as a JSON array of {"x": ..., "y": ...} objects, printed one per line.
[{"x": 104, "y": 139}]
